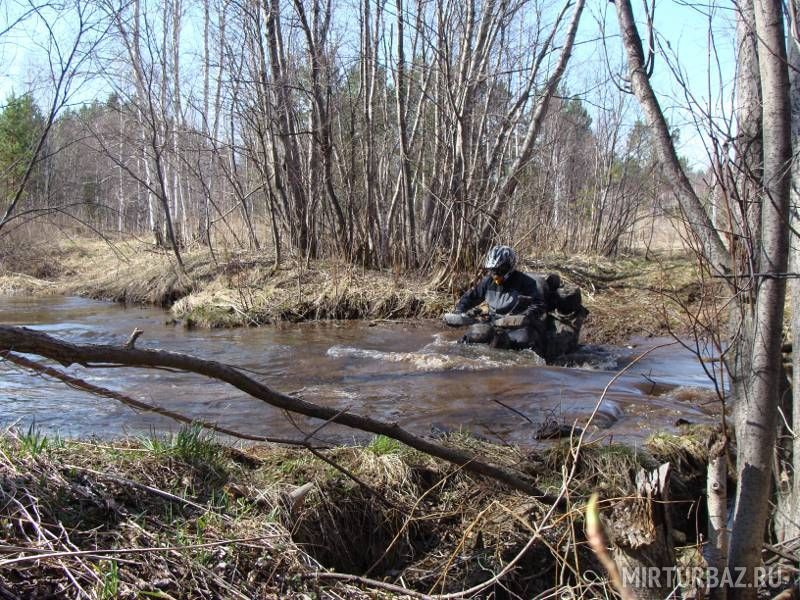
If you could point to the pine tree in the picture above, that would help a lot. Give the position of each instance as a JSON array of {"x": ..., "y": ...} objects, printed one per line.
[{"x": 21, "y": 124}]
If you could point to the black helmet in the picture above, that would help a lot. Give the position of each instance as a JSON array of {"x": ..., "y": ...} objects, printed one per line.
[{"x": 501, "y": 260}]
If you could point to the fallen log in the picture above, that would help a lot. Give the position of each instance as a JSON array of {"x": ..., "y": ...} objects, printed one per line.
[{"x": 29, "y": 341}]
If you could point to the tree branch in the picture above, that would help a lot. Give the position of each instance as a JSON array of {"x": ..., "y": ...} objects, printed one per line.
[{"x": 28, "y": 341}]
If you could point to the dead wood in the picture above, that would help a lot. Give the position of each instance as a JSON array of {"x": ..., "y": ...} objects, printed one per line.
[
  {"x": 717, "y": 494},
  {"x": 293, "y": 499},
  {"x": 97, "y": 390},
  {"x": 641, "y": 532},
  {"x": 28, "y": 341},
  {"x": 131, "y": 343}
]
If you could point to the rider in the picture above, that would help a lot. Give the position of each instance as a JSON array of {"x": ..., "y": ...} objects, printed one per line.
[{"x": 516, "y": 304}]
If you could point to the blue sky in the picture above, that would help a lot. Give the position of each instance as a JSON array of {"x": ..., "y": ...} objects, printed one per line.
[{"x": 682, "y": 32}]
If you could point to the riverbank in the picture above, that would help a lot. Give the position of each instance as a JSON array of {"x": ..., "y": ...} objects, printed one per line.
[
  {"x": 625, "y": 297},
  {"x": 183, "y": 517}
]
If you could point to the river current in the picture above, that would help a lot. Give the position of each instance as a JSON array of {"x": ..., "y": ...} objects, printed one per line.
[{"x": 412, "y": 373}]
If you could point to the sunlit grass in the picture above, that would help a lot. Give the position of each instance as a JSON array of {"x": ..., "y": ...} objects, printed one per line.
[
  {"x": 192, "y": 443},
  {"x": 382, "y": 445}
]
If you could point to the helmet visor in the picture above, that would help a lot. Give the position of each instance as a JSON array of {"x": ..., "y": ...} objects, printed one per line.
[{"x": 500, "y": 270}]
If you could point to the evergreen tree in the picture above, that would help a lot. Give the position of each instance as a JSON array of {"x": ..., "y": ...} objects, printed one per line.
[{"x": 21, "y": 124}]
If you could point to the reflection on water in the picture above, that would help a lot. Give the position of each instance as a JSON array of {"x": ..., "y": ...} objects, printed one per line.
[{"x": 414, "y": 374}]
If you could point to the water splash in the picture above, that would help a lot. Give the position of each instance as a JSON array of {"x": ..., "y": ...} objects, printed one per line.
[{"x": 427, "y": 361}]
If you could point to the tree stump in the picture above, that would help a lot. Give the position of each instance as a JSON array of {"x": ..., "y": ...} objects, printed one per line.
[{"x": 640, "y": 530}]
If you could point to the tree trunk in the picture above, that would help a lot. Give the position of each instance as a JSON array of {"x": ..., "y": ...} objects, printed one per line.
[
  {"x": 700, "y": 221},
  {"x": 290, "y": 165},
  {"x": 511, "y": 180},
  {"x": 760, "y": 382},
  {"x": 743, "y": 208},
  {"x": 405, "y": 159},
  {"x": 717, "y": 494},
  {"x": 789, "y": 507},
  {"x": 756, "y": 436}
]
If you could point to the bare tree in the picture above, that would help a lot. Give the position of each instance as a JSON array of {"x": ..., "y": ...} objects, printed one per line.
[
  {"x": 757, "y": 396},
  {"x": 66, "y": 58}
]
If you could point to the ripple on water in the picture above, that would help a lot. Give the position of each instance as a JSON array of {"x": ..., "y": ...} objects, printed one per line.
[
  {"x": 425, "y": 360},
  {"x": 609, "y": 412},
  {"x": 412, "y": 375},
  {"x": 590, "y": 357}
]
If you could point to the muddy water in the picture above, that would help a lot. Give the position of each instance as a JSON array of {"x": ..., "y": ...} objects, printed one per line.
[{"x": 411, "y": 373}]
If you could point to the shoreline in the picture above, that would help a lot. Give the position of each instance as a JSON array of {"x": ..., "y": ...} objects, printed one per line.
[
  {"x": 163, "y": 514},
  {"x": 157, "y": 515},
  {"x": 243, "y": 288}
]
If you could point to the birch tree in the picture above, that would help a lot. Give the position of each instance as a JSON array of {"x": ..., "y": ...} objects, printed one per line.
[{"x": 757, "y": 377}]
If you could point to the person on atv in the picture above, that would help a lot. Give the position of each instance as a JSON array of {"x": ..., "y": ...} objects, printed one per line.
[{"x": 516, "y": 306}]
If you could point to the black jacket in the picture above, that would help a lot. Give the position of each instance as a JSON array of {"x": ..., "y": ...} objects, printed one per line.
[{"x": 504, "y": 299}]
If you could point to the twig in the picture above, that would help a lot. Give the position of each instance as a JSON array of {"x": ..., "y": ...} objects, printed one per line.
[
  {"x": 365, "y": 486},
  {"x": 557, "y": 502},
  {"x": 137, "y": 404},
  {"x": 608, "y": 387},
  {"x": 782, "y": 553},
  {"x": 23, "y": 340},
  {"x": 113, "y": 551},
  {"x": 369, "y": 582},
  {"x": 147, "y": 488},
  {"x": 131, "y": 343},
  {"x": 514, "y": 410},
  {"x": 323, "y": 425},
  {"x": 410, "y": 518}
]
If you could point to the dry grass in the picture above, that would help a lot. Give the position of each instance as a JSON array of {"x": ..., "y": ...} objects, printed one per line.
[
  {"x": 252, "y": 294},
  {"x": 631, "y": 295},
  {"x": 77, "y": 497},
  {"x": 625, "y": 297},
  {"x": 19, "y": 284},
  {"x": 171, "y": 514},
  {"x": 222, "y": 290},
  {"x": 188, "y": 518}
]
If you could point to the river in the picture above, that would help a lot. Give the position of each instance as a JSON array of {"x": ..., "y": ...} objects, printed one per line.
[{"x": 414, "y": 374}]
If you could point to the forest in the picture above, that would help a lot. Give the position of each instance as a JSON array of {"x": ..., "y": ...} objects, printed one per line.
[{"x": 411, "y": 150}]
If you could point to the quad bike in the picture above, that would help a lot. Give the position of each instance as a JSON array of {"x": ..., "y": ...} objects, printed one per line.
[{"x": 558, "y": 331}]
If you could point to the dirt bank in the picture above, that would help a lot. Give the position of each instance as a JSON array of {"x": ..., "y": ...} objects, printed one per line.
[
  {"x": 625, "y": 297},
  {"x": 183, "y": 517}
]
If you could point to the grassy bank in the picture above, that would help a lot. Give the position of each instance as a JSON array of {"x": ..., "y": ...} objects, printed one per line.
[
  {"x": 184, "y": 517},
  {"x": 631, "y": 296},
  {"x": 225, "y": 289}
]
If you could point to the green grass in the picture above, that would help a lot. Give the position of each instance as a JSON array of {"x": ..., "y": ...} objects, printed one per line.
[
  {"x": 36, "y": 442},
  {"x": 108, "y": 586},
  {"x": 191, "y": 443},
  {"x": 381, "y": 445}
]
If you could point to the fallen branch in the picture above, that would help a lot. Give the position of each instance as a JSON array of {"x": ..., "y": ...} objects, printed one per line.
[
  {"x": 80, "y": 384},
  {"x": 28, "y": 341},
  {"x": 141, "y": 486},
  {"x": 373, "y": 583}
]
